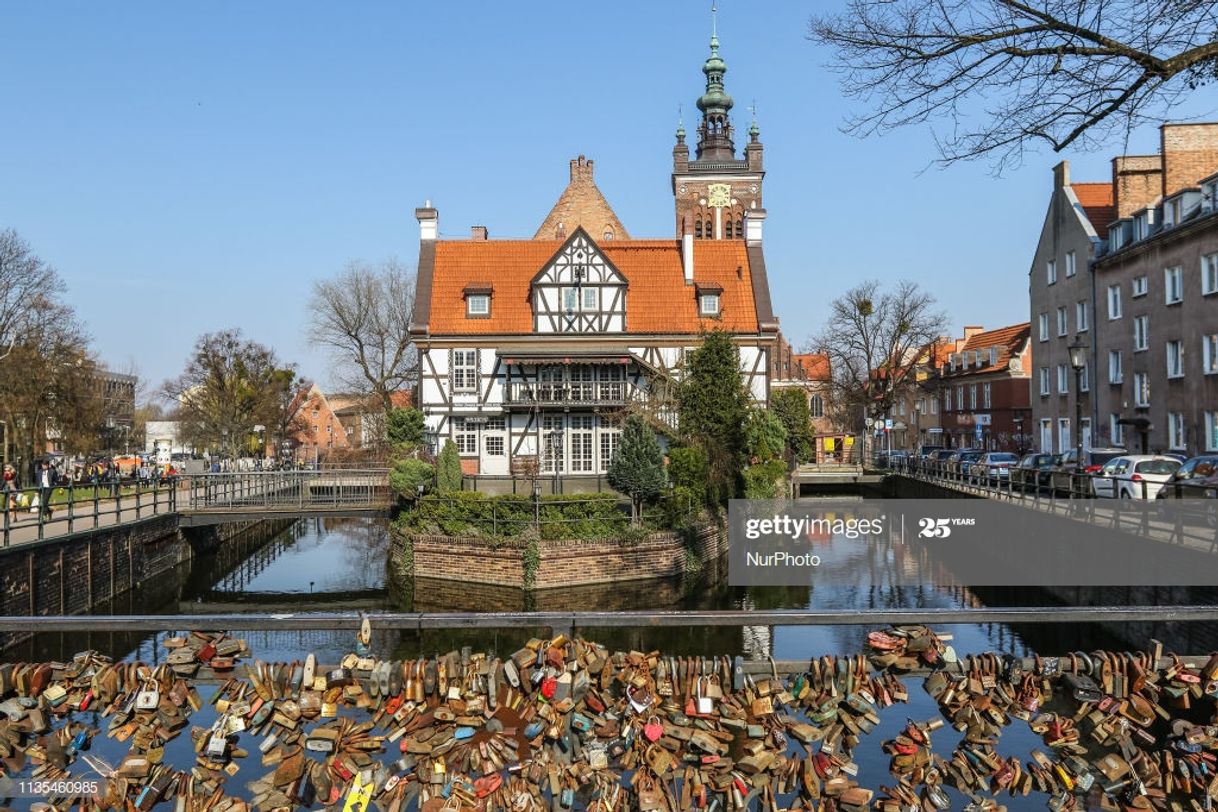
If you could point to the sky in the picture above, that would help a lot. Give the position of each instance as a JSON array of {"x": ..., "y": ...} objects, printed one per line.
[{"x": 194, "y": 167}]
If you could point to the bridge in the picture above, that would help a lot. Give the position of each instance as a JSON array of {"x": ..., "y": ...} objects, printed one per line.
[{"x": 198, "y": 500}]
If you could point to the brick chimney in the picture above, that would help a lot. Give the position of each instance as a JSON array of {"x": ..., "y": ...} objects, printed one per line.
[
  {"x": 429, "y": 222},
  {"x": 972, "y": 330},
  {"x": 1190, "y": 153},
  {"x": 687, "y": 249},
  {"x": 1137, "y": 181},
  {"x": 477, "y": 232}
]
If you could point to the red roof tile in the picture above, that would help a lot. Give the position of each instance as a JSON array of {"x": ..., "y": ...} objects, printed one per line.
[
  {"x": 1097, "y": 201},
  {"x": 816, "y": 365},
  {"x": 1009, "y": 341},
  {"x": 657, "y": 298}
]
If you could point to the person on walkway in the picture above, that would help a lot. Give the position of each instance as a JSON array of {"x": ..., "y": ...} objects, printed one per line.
[
  {"x": 46, "y": 486},
  {"x": 10, "y": 487}
]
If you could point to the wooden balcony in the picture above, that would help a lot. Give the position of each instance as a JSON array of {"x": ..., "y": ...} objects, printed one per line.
[{"x": 570, "y": 393}]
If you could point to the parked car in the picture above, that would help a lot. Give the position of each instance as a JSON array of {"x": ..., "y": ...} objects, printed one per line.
[
  {"x": 1062, "y": 478},
  {"x": 1034, "y": 471},
  {"x": 936, "y": 461},
  {"x": 958, "y": 463},
  {"x": 1136, "y": 476},
  {"x": 1201, "y": 483},
  {"x": 993, "y": 466}
]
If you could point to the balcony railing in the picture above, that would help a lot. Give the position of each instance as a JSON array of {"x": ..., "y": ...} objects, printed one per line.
[{"x": 591, "y": 393}]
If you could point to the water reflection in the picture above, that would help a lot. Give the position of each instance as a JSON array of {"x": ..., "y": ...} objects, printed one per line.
[{"x": 341, "y": 564}]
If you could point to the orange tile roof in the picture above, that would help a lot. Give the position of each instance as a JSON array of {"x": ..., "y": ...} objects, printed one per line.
[
  {"x": 657, "y": 298},
  {"x": 816, "y": 365},
  {"x": 1096, "y": 200},
  {"x": 1009, "y": 340}
]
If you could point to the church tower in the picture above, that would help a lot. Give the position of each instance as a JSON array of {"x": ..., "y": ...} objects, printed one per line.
[{"x": 714, "y": 190}]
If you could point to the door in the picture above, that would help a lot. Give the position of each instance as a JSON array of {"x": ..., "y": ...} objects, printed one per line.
[
  {"x": 495, "y": 447},
  {"x": 1046, "y": 436}
]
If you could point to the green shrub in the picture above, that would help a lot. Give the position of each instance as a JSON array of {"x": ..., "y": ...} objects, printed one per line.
[
  {"x": 765, "y": 480},
  {"x": 404, "y": 427},
  {"x": 408, "y": 474},
  {"x": 688, "y": 469},
  {"x": 637, "y": 469},
  {"x": 467, "y": 513},
  {"x": 448, "y": 477},
  {"x": 765, "y": 435}
]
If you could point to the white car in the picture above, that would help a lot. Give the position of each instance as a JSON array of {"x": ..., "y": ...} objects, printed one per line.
[{"x": 1136, "y": 476}]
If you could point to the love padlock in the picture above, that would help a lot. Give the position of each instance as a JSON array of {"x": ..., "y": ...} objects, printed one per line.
[
  {"x": 548, "y": 686},
  {"x": 653, "y": 729}
]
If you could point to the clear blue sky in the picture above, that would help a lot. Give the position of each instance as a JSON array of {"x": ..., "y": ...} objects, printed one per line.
[{"x": 192, "y": 167}]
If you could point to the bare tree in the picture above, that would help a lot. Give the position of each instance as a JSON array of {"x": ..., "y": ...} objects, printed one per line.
[
  {"x": 48, "y": 382},
  {"x": 1002, "y": 74},
  {"x": 875, "y": 341},
  {"x": 363, "y": 317}
]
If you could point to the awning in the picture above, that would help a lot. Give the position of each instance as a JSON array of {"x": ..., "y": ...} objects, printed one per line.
[{"x": 567, "y": 358}]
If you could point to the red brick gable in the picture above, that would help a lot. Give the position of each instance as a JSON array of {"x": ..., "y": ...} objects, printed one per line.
[{"x": 658, "y": 301}]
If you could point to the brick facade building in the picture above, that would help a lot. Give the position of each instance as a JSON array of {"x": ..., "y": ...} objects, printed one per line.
[{"x": 984, "y": 390}]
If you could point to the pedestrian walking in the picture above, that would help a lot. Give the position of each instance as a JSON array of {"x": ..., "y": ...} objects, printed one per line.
[
  {"x": 10, "y": 487},
  {"x": 46, "y": 486}
]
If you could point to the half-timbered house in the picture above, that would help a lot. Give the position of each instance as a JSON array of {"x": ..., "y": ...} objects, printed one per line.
[{"x": 532, "y": 350}]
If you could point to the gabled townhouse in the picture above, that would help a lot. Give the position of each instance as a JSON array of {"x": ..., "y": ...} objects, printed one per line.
[
  {"x": 532, "y": 350},
  {"x": 984, "y": 389}
]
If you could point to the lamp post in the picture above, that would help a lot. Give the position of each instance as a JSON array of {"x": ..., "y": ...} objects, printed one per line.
[{"x": 1078, "y": 360}]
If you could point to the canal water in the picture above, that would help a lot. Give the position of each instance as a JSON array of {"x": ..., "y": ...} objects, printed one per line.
[{"x": 342, "y": 565}]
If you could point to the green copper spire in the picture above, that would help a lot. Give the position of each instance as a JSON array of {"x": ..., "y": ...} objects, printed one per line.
[{"x": 715, "y": 131}]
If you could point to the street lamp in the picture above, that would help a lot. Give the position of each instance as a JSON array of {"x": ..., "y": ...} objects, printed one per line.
[{"x": 1078, "y": 360}]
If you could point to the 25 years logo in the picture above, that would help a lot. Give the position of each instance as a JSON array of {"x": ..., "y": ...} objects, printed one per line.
[{"x": 934, "y": 528}]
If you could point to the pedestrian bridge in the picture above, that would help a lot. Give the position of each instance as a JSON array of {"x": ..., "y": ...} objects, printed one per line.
[{"x": 249, "y": 495}]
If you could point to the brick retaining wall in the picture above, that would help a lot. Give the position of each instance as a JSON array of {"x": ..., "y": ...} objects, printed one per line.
[{"x": 567, "y": 562}]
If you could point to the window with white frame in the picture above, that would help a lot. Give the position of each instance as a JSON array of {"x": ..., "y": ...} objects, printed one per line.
[
  {"x": 478, "y": 304},
  {"x": 1141, "y": 389},
  {"x": 465, "y": 370},
  {"x": 934, "y": 406},
  {"x": 1063, "y": 321},
  {"x": 1209, "y": 274},
  {"x": 610, "y": 439},
  {"x": 1138, "y": 286},
  {"x": 1084, "y": 428},
  {"x": 1063, "y": 379},
  {"x": 901, "y": 408},
  {"x": 1084, "y": 378},
  {"x": 552, "y": 442},
  {"x": 1051, "y": 272},
  {"x": 590, "y": 298},
  {"x": 1116, "y": 430},
  {"x": 1063, "y": 433},
  {"x": 1115, "y": 373},
  {"x": 1173, "y": 285},
  {"x": 1141, "y": 333},
  {"x": 1042, "y": 323},
  {"x": 985, "y": 396},
  {"x": 1080, "y": 317},
  {"x": 1209, "y": 354},
  {"x": 494, "y": 445},
  {"x": 495, "y": 423},
  {"x": 816, "y": 406},
  {"x": 1175, "y": 359},
  {"x": 1175, "y": 431},
  {"x": 1211, "y": 431},
  {"x": 708, "y": 304},
  {"x": 1071, "y": 267},
  {"x": 947, "y": 399},
  {"x": 972, "y": 396},
  {"x": 960, "y": 397},
  {"x": 582, "y": 461},
  {"x": 1044, "y": 382},
  {"x": 993, "y": 356},
  {"x": 1114, "y": 302},
  {"x": 465, "y": 437}
]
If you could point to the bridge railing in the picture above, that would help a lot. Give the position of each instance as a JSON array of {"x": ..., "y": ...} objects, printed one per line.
[
  {"x": 253, "y": 490},
  {"x": 34, "y": 514}
]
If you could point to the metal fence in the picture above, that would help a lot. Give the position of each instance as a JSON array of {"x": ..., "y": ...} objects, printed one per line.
[
  {"x": 246, "y": 490},
  {"x": 32, "y": 514}
]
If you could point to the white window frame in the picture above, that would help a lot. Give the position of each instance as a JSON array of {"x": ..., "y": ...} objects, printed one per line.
[
  {"x": 478, "y": 304},
  {"x": 1080, "y": 317},
  {"x": 985, "y": 395},
  {"x": 1071, "y": 264},
  {"x": 1141, "y": 389},
  {"x": 1177, "y": 435},
  {"x": 1045, "y": 381},
  {"x": 972, "y": 396},
  {"x": 494, "y": 441},
  {"x": 1084, "y": 378},
  {"x": 1051, "y": 272},
  {"x": 1114, "y": 302},
  {"x": 1173, "y": 285},
  {"x": 465, "y": 371},
  {"x": 1063, "y": 379},
  {"x": 1042, "y": 322},
  {"x": 947, "y": 399},
  {"x": 1063, "y": 321},
  {"x": 590, "y": 299},
  {"x": 582, "y": 432},
  {"x": 1209, "y": 274},
  {"x": 1209, "y": 354},
  {"x": 1175, "y": 358},
  {"x": 1138, "y": 287},
  {"x": 608, "y": 444},
  {"x": 465, "y": 437},
  {"x": 960, "y": 397},
  {"x": 1116, "y": 374},
  {"x": 1046, "y": 431},
  {"x": 1063, "y": 434},
  {"x": 934, "y": 405},
  {"x": 708, "y": 304},
  {"x": 1141, "y": 333},
  {"x": 1211, "y": 431},
  {"x": 993, "y": 356},
  {"x": 1116, "y": 430}
]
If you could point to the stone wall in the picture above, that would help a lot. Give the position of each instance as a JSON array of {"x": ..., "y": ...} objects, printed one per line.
[{"x": 563, "y": 563}]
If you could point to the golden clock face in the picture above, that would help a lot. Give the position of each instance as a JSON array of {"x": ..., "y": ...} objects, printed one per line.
[{"x": 718, "y": 195}]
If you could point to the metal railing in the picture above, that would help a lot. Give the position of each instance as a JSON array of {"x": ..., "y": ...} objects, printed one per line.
[
  {"x": 1191, "y": 522},
  {"x": 251, "y": 490},
  {"x": 34, "y": 514},
  {"x": 592, "y": 393}
]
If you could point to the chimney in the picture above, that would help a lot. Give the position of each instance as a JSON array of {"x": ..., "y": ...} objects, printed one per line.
[
  {"x": 477, "y": 232},
  {"x": 1137, "y": 182},
  {"x": 1190, "y": 153},
  {"x": 972, "y": 330},
  {"x": 687, "y": 249},
  {"x": 1061, "y": 175},
  {"x": 429, "y": 222},
  {"x": 754, "y": 219}
]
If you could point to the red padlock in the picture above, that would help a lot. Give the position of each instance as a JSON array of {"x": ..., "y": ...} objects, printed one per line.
[
  {"x": 653, "y": 730},
  {"x": 548, "y": 686}
]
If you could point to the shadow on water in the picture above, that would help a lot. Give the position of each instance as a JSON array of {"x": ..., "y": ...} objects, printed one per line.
[{"x": 341, "y": 565}]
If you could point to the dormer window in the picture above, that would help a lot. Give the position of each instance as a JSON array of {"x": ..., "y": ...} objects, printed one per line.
[
  {"x": 993, "y": 356},
  {"x": 708, "y": 304},
  {"x": 478, "y": 301}
]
